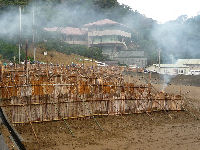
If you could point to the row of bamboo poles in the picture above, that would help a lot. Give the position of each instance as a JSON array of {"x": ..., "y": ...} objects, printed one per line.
[{"x": 46, "y": 93}]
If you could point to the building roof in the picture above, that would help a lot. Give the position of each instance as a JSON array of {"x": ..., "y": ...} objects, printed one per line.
[
  {"x": 51, "y": 29},
  {"x": 73, "y": 31},
  {"x": 171, "y": 66},
  {"x": 102, "y": 22},
  {"x": 67, "y": 30},
  {"x": 188, "y": 61}
]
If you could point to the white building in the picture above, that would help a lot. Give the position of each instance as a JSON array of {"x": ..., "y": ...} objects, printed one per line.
[
  {"x": 182, "y": 66},
  {"x": 112, "y": 37},
  {"x": 171, "y": 69},
  {"x": 194, "y": 64}
]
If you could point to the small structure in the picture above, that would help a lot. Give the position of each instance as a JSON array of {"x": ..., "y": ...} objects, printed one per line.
[
  {"x": 193, "y": 64},
  {"x": 170, "y": 69},
  {"x": 132, "y": 57}
]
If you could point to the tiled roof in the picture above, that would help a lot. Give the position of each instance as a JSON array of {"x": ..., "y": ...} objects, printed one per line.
[
  {"x": 102, "y": 22},
  {"x": 51, "y": 29},
  {"x": 67, "y": 30},
  {"x": 73, "y": 31}
]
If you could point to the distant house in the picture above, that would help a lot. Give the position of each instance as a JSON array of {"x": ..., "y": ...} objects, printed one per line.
[
  {"x": 182, "y": 66},
  {"x": 108, "y": 34},
  {"x": 170, "y": 69},
  {"x": 71, "y": 35},
  {"x": 112, "y": 37},
  {"x": 75, "y": 35},
  {"x": 192, "y": 63}
]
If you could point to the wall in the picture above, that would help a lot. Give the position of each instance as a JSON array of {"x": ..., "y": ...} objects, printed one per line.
[
  {"x": 140, "y": 62},
  {"x": 3, "y": 145},
  {"x": 50, "y": 93}
]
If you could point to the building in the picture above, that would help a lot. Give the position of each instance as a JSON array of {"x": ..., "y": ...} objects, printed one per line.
[
  {"x": 70, "y": 35},
  {"x": 112, "y": 37},
  {"x": 108, "y": 34},
  {"x": 77, "y": 36},
  {"x": 131, "y": 57},
  {"x": 193, "y": 64},
  {"x": 170, "y": 69}
]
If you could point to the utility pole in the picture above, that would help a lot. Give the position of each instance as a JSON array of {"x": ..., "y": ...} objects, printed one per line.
[
  {"x": 26, "y": 61},
  {"x": 20, "y": 30},
  {"x": 159, "y": 51},
  {"x": 34, "y": 31}
]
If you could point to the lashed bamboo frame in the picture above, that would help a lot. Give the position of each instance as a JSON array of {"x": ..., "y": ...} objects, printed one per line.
[{"x": 59, "y": 93}]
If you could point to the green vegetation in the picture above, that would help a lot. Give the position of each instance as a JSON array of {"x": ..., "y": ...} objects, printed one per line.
[
  {"x": 8, "y": 50},
  {"x": 179, "y": 38},
  {"x": 94, "y": 52},
  {"x": 71, "y": 14}
]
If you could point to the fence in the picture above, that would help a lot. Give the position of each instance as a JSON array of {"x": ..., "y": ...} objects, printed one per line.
[{"x": 53, "y": 93}]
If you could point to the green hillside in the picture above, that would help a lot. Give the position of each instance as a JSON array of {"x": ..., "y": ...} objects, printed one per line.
[{"x": 178, "y": 39}]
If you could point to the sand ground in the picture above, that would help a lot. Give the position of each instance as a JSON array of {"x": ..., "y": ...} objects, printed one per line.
[{"x": 154, "y": 131}]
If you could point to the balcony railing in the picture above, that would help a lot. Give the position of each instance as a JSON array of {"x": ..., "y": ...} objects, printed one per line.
[
  {"x": 77, "y": 42},
  {"x": 109, "y": 32},
  {"x": 106, "y": 42}
]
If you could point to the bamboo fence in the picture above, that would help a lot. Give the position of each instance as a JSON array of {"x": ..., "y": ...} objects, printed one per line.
[{"x": 47, "y": 93}]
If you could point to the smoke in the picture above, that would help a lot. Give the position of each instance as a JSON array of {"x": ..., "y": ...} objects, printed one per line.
[
  {"x": 47, "y": 14},
  {"x": 67, "y": 13},
  {"x": 167, "y": 80},
  {"x": 176, "y": 39}
]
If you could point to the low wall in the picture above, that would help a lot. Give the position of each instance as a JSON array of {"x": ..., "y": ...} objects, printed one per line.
[
  {"x": 3, "y": 145},
  {"x": 54, "y": 95}
]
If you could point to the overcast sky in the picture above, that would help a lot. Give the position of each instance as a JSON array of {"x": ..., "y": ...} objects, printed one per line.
[{"x": 164, "y": 10}]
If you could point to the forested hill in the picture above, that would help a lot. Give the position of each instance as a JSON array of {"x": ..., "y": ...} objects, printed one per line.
[
  {"x": 176, "y": 39},
  {"x": 75, "y": 13},
  {"x": 51, "y": 13}
]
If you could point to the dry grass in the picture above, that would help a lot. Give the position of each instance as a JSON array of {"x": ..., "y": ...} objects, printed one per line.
[{"x": 59, "y": 58}]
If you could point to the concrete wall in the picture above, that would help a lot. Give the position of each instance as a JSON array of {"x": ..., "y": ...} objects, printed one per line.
[
  {"x": 3, "y": 145},
  {"x": 125, "y": 56},
  {"x": 130, "y": 54},
  {"x": 140, "y": 62}
]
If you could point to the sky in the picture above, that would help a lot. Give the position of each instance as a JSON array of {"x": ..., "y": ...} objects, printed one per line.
[{"x": 164, "y": 10}]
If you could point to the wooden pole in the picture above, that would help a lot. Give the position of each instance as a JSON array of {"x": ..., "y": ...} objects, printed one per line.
[
  {"x": 26, "y": 54},
  {"x": 20, "y": 30},
  {"x": 33, "y": 28},
  {"x": 68, "y": 127}
]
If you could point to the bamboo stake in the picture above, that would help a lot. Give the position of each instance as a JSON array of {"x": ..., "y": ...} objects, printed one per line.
[
  {"x": 68, "y": 127},
  {"x": 93, "y": 117}
]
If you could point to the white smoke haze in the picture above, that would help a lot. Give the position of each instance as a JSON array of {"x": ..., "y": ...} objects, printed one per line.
[
  {"x": 55, "y": 15},
  {"x": 172, "y": 38},
  {"x": 167, "y": 80},
  {"x": 61, "y": 15},
  {"x": 177, "y": 38},
  {"x": 167, "y": 36}
]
